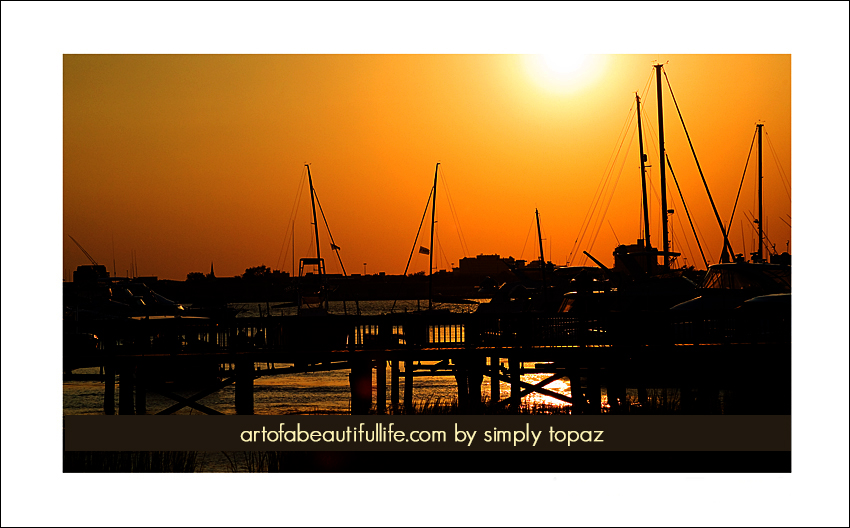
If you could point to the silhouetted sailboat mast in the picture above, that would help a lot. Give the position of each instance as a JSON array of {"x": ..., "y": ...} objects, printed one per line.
[
  {"x": 647, "y": 245},
  {"x": 665, "y": 241},
  {"x": 542, "y": 257},
  {"x": 431, "y": 250},
  {"x": 312, "y": 291},
  {"x": 758, "y": 255},
  {"x": 315, "y": 222},
  {"x": 321, "y": 288},
  {"x": 423, "y": 250},
  {"x": 761, "y": 231}
]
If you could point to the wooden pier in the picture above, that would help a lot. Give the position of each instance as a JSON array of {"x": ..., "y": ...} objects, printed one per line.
[{"x": 614, "y": 350}]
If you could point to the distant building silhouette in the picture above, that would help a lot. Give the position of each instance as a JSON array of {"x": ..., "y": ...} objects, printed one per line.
[{"x": 484, "y": 265}]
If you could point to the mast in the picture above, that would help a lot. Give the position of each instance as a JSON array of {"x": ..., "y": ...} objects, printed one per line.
[
  {"x": 431, "y": 251},
  {"x": 315, "y": 222},
  {"x": 539, "y": 238},
  {"x": 761, "y": 231},
  {"x": 643, "y": 177},
  {"x": 542, "y": 258},
  {"x": 664, "y": 229}
]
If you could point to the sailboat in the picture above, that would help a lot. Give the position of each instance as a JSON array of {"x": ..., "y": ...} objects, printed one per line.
[
  {"x": 312, "y": 290},
  {"x": 312, "y": 287},
  {"x": 432, "y": 297},
  {"x": 639, "y": 282},
  {"x": 754, "y": 285},
  {"x": 642, "y": 258},
  {"x": 537, "y": 290},
  {"x": 432, "y": 203}
]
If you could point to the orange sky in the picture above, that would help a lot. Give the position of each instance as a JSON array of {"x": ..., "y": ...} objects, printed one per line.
[{"x": 192, "y": 159}]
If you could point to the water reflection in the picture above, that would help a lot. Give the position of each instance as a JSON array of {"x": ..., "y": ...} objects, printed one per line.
[{"x": 329, "y": 393}]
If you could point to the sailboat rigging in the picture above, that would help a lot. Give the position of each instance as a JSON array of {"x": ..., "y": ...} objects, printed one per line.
[
  {"x": 643, "y": 177},
  {"x": 645, "y": 244},
  {"x": 642, "y": 259},
  {"x": 761, "y": 251},
  {"x": 741, "y": 287},
  {"x": 432, "y": 203},
  {"x": 312, "y": 286}
]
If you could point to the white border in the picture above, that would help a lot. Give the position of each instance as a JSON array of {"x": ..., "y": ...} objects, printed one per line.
[{"x": 36, "y": 34}]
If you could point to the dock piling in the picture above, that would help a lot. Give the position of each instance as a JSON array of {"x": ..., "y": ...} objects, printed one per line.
[
  {"x": 408, "y": 386},
  {"x": 494, "y": 380},
  {"x": 125, "y": 390},
  {"x": 475, "y": 374},
  {"x": 244, "y": 386},
  {"x": 594, "y": 392},
  {"x": 616, "y": 392},
  {"x": 109, "y": 390},
  {"x": 394, "y": 385},
  {"x": 513, "y": 368},
  {"x": 381, "y": 386},
  {"x": 461, "y": 372},
  {"x": 643, "y": 399},
  {"x": 576, "y": 392},
  {"x": 360, "y": 380},
  {"x": 141, "y": 394}
]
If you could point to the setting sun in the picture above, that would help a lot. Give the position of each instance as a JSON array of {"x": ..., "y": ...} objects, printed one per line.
[
  {"x": 564, "y": 72},
  {"x": 564, "y": 65}
]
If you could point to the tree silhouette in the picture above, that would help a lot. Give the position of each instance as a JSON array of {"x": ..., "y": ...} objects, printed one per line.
[{"x": 257, "y": 272}]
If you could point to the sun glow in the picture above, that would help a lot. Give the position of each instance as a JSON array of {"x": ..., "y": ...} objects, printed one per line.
[
  {"x": 563, "y": 65},
  {"x": 564, "y": 72}
]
